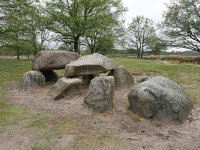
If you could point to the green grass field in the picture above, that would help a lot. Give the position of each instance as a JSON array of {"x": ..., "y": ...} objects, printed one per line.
[
  {"x": 188, "y": 75},
  {"x": 13, "y": 117}
]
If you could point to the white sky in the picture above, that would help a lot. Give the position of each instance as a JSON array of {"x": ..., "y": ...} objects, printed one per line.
[{"x": 152, "y": 9}]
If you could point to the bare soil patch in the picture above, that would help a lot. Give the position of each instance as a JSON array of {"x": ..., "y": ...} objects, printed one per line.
[{"x": 117, "y": 129}]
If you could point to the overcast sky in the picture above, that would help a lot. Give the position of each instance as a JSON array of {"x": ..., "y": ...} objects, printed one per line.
[{"x": 152, "y": 9}]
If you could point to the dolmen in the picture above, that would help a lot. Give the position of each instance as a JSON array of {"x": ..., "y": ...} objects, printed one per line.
[
  {"x": 43, "y": 66},
  {"x": 95, "y": 64},
  {"x": 156, "y": 97}
]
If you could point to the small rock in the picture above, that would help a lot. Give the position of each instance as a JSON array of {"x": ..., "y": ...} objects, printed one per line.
[{"x": 32, "y": 78}]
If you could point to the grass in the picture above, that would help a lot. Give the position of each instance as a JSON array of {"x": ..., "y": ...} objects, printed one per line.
[
  {"x": 188, "y": 75},
  {"x": 86, "y": 142},
  {"x": 16, "y": 117},
  {"x": 48, "y": 128},
  {"x": 3, "y": 101},
  {"x": 40, "y": 147},
  {"x": 148, "y": 66},
  {"x": 11, "y": 116},
  {"x": 11, "y": 70}
]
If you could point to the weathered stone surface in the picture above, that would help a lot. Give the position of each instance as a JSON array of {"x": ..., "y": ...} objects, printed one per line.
[
  {"x": 89, "y": 64},
  {"x": 122, "y": 77},
  {"x": 53, "y": 60},
  {"x": 160, "y": 98},
  {"x": 100, "y": 94},
  {"x": 32, "y": 78},
  {"x": 50, "y": 75},
  {"x": 64, "y": 85}
]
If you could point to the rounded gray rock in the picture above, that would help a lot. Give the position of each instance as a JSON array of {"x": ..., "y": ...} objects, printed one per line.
[
  {"x": 160, "y": 98},
  {"x": 53, "y": 60},
  {"x": 32, "y": 78}
]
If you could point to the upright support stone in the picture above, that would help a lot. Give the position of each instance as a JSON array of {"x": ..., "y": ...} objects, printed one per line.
[
  {"x": 100, "y": 94},
  {"x": 122, "y": 77}
]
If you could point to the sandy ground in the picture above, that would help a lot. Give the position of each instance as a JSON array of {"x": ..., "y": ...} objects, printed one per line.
[{"x": 127, "y": 130}]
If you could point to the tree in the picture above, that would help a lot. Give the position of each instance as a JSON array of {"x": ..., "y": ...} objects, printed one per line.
[
  {"x": 139, "y": 33},
  {"x": 181, "y": 24},
  {"x": 36, "y": 31},
  {"x": 13, "y": 25},
  {"x": 21, "y": 26},
  {"x": 156, "y": 45},
  {"x": 74, "y": 20},
  {"x": 68, "y": 47},
  {"x": 97, "y": 42}
]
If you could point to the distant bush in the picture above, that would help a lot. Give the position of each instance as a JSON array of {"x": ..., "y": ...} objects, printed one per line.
[{"x": 177, "y": 59}]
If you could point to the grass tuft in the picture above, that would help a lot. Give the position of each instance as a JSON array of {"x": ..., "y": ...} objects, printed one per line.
[
  {"x": 3, "y": 101},
  {"x": 90, "y": 141}
]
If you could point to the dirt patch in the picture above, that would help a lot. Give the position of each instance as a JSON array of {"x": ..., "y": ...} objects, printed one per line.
[
  {"x": 18, "y": 139},
  {"x": 116, "y": 129}
]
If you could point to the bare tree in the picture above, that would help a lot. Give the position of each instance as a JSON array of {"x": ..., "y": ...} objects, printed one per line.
[{"x": 139, "y": 33}]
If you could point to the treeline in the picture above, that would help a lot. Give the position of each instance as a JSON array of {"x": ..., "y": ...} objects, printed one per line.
[{"x": 29, "y": 26}]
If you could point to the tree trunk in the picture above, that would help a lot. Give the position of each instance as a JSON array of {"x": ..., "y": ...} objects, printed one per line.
[
  {"x": 142, "y": 52},
  {"x": 138, "y": 53},
  {"x": 35, "y": 52},
  {"x": 92, "y": 49},
  {"x": 18, "y": 54},
  {"x": 28, "y": 54},
  {"x": 76, "y": 45}
]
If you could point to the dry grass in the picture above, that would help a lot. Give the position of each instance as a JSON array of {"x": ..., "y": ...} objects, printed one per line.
[{"x": 176, "y": 59}]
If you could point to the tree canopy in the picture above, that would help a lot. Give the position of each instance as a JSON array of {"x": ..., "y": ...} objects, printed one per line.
[
  {"x": 181, "y": 24},
  {"x": 74, "y": 20},
  {"x": 95, "y": 25},
  {"x": 21, "y": 26}
]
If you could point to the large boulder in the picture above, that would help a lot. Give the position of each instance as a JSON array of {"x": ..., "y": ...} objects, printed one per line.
[
  {"x": 89, "y": 64},
  {"x": 160, "y": 98},
  {"x": 31, "y": 79},
  {"x": 64, "y": 85},
  {"x": 122, "y": 77},
  {"x": 100, "y": 94},
  {"x": 53, "y": 60}
]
